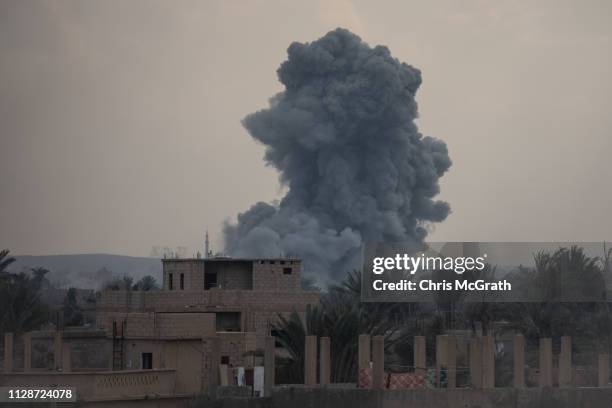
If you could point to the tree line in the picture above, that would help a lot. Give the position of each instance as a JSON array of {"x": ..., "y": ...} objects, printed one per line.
[
  {"x": 22, "y": 307},
  {"x": 342, "y": 316}
]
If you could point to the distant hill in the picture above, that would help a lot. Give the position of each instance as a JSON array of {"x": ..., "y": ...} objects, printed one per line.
[{"x": 89, "y": 271}]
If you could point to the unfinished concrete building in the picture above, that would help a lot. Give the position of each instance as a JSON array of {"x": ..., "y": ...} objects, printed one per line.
[{"x": 234, "y": 299}]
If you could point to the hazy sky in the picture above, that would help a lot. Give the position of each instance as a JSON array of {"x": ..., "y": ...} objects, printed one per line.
[{"x": 120, "y": 120}]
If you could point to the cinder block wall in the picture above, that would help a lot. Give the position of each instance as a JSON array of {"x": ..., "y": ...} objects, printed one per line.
[
  {"x": 260, "y": 290},
  {"x": 283, "y": 275},
  {"x": 192, "y": 270},
  {"x": 258, "y": 308},
  {"x": 233, "y": 274},
  {"x": 160, "y": 325}
]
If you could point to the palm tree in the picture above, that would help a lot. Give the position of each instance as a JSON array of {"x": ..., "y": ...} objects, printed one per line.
[
  {"x": 573, "y": 299},
  {"x": 20, "y": 306},
  {"x": 5, "y": 261},
  {"x": 484, "y": 311},
  {"x": 146, "y": 283},
  {"x": 72, "y": 312},
  {"x": 120, "y": 283},
  {"x": 342, "y": 317}
]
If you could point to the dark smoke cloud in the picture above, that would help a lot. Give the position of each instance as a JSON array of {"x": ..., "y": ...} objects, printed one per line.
[{"x": 343, "y": 137}]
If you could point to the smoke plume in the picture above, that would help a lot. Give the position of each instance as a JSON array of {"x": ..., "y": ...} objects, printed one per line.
[{"x": 343, "y": 138}]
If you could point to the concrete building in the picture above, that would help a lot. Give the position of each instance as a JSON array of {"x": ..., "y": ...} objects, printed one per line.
[
  {"x": 234, "y": 299},
  {"x": 210, "y": 312}
]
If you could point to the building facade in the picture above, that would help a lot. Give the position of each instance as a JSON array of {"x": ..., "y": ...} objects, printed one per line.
[{"x": 236, "y": 300}]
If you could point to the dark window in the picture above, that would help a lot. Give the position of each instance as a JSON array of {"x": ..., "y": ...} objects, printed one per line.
[
  {"x": 225, "y": 360},
  {"x": 248, "y": 376},
  {"x": 272, "y": 262},
  {"x": 228, "y": 321},
  {"x": 210, "y": 280},
  {"x": 276, "y": 334},
  {"x": 282, "y": 262},
  {"x": 170, "y": 286},
  {"x": 147, "y": 361},
  {"x": 182, "y": 282},
  {"x": 286, "y": 271}
]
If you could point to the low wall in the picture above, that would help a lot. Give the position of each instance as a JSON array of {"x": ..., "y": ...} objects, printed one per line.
[
  {"x": 439, "y": 398},
  {"x": 100, "y": 386},
  {"x": 431, "y": 398}
]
